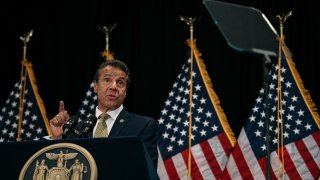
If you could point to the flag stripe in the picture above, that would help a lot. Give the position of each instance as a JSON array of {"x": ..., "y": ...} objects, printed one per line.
[
  {"x": 227, "y": 148},
  {"x": 277, "y": 166},
  {"x": 242, "y": 164},
  {"x": 175, "y": 167},
  {"x": 311, "y": 168},
  {"x": 263, "y": 165},
  {"x": 234, "y": 172},
  {"x": 311, "y": 144},
  {"x": 218, "y": 147},
  {"x": 299, "y": 155},
  {"x": 195, "y": 172},
  {"x": 248, "y": 155},
  {"x": 161, "y": 170},
  {"x": 316, "y": 136},
  {"x": 288, "y": 161},
  {"x": 201, "y": 154},
  {"x": 212, "y": 149}
]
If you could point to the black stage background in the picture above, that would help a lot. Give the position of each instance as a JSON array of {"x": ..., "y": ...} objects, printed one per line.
[{"x": 150, "y": 38}]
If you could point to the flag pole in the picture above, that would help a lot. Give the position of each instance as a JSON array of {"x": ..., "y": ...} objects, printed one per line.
[
  {"x": 281, "y": 20},
  {"x": 190, "y": 21},
  {"x": 107, "y": 30},
  {"x": 25, "y": 39}
]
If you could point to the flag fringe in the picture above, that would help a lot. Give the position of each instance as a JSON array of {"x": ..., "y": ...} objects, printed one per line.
[
  {"x": 304, "y": 92},
  {"x": 213, "y": 96},
  {"x": 40, "y": 103}
]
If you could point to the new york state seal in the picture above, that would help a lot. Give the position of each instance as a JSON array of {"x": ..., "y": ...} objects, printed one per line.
[{"x": 62, "y": 161}]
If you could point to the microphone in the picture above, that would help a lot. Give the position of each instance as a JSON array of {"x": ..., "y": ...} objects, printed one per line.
[
  {"x": 68, "y": 127},
  {"x": 88, "y": 126}
]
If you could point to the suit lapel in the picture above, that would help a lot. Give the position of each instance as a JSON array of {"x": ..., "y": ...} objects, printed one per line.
[{"x": 120, "y": 123}]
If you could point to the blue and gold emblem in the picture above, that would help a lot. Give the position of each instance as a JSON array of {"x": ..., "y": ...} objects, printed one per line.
[{"x": 62, "y": 161}]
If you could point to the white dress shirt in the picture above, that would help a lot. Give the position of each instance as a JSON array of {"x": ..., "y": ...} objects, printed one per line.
[{"x": 112, "y": 117}]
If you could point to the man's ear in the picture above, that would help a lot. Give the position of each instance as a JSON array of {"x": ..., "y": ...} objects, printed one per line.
[{"x": 95, "y": 86}]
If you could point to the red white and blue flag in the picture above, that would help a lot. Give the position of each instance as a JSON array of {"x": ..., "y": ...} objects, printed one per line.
[
  {"x": 211, "y": 138},
  {"x": 23, "y": 117},
  {"x": 294, "y": 139}
]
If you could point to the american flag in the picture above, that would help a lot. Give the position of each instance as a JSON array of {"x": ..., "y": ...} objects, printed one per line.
[
  {"x": 34, "y": 122},
  {"x": 299, "y": 157},
  {"x": 212, "y": 138},
  {"x": 88, "y": 105}
]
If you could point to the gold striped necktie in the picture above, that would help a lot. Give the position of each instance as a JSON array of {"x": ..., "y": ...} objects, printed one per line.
[{"x": 102, "y": 129}]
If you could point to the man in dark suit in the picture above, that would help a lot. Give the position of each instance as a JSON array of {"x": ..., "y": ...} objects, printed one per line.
[{"x": 111, "y": 82}]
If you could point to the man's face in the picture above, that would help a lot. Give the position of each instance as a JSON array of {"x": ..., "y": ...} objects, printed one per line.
[{"x": 111, "y": 88}]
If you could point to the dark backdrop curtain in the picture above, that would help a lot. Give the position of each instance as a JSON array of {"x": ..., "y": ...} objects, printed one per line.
[{"x": 150, "y": 39}]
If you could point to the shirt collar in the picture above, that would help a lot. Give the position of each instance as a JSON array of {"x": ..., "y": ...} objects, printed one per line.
[{"x": 113, "y": 114}]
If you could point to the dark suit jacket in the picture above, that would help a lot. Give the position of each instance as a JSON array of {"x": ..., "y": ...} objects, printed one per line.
[{"x": 129, "y": 124}]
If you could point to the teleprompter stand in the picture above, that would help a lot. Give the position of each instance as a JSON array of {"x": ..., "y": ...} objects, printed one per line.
[{"x": 247, "y": 29}]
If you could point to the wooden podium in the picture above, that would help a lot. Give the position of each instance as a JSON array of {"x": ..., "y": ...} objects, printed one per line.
[{"x": 100, "y": 158}]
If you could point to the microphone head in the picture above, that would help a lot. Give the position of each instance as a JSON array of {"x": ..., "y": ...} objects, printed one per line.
[
  {"x": 70, "y": 124},
  {"x": 88, "y": 126},
  {"x": 89, "y": 123}
]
